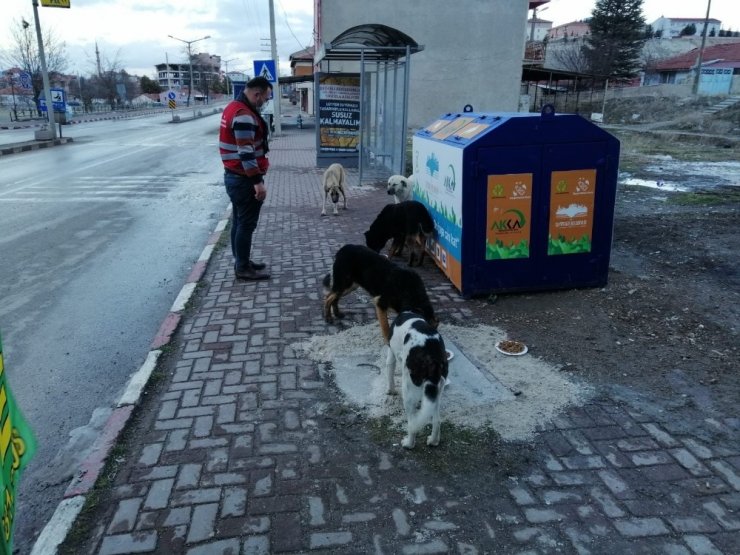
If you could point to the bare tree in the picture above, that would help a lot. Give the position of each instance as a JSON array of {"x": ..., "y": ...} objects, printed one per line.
[
  {"x": 653, "y": 52},
  {"x": 567, "y": 55},
  {"x": 24, "y": 53},
  {"x": 109, "y": 80}
]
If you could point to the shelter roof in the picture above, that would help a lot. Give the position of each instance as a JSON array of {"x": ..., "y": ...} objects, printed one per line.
[{"x": 372, "y": 42}]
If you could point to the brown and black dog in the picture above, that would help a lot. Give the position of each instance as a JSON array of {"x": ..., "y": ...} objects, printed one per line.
[
  {"x": 390, "y": 286},
  {"x": 407, "y": 223}
]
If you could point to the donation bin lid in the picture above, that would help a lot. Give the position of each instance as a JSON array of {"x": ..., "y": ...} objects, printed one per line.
[{"x": 461, "y": 129}]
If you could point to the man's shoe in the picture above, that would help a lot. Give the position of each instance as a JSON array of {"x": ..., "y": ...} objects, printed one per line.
[
  {"x": 257, "y": 265},
  {"x": 251, "y": 274}
]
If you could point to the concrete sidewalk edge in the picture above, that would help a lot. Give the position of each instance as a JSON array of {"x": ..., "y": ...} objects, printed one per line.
[
  {"x": 66, "y": 513},
  {"x": 33, "y": 145}
]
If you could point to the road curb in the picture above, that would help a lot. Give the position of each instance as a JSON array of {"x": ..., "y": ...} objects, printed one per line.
[
  {"x": 88, "y": 472},
  {"x": 34, "y": 145}
]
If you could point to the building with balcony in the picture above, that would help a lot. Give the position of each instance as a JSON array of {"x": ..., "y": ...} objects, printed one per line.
[{"x": 176, "y": 76}]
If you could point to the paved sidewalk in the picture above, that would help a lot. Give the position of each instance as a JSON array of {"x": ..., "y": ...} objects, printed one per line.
[{"x": 242, "y": 446}]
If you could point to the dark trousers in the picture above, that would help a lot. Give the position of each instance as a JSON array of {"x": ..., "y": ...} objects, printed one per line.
[{"x": 245, "y": 215}]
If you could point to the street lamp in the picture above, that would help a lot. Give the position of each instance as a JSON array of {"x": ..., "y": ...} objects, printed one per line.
[{"x": 190, "y": 59}]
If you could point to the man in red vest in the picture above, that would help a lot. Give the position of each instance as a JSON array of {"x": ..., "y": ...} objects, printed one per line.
[{"x": 243, "y": 146}]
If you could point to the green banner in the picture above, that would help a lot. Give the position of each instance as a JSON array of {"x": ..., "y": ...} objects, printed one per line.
[{"x": 17, "y": 446}]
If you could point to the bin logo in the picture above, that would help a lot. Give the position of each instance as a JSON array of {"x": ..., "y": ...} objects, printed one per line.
[
  {"x": 510, "y": 224},
  {"x": 497, "y": 191},
  {"x": 450, "y": 182},
  {"x": 432, "y": 164},
  {"x": 583, "y": 186}
]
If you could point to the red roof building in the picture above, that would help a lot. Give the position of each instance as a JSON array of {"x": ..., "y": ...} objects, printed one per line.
[{"x": 720, "y": 69}]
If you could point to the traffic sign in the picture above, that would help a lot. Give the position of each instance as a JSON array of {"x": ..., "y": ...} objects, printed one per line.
[
  {"x": 171, "y": 95},
  {"x": 25, "y": 79},
  {"x": 58, "y": 100},
  {"x": 266, "y": 69},
  {"x": 171, "y": 104}
]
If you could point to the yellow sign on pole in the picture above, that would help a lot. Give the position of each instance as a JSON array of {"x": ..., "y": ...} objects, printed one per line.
[{"x": 55, "y": 3}]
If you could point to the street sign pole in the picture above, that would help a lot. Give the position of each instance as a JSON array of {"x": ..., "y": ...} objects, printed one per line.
[
  {"x": 44, "y": 76},
  {"x": 276, "y": 88}
]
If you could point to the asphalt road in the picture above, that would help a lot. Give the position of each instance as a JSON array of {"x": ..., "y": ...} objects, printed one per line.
[{"x": 96, "y": 239}]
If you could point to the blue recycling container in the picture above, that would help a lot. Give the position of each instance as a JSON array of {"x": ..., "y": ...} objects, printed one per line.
[{"x": 520, "y": 201}]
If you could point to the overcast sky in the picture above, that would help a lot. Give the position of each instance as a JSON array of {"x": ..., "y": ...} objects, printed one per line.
[{"x": 134, "y": 32}]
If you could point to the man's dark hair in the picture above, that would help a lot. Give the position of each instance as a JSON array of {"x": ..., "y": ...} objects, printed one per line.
[{"x": 259, "y": 83}]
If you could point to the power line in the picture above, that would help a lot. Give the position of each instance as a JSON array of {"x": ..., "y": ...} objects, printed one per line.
[{"x": 285, "y": 16}]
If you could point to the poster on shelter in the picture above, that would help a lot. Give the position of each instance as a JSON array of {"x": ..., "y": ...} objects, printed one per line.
[
  {"x": 339, "y": 112},
  {"x": 17, "y": 446},
  {"x": 571, "y": 211}
]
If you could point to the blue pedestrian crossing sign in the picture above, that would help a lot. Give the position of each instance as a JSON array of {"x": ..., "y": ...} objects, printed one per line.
[{"x": 266, "y": 69}]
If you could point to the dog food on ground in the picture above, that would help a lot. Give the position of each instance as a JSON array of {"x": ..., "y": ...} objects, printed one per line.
[{"x": 511, "y": 347}]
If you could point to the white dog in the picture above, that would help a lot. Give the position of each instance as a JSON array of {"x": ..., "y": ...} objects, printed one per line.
[
  {"x": 400, "y": 187},
  {"x": 420, "y": 351},
  {"x": 333, "y": 183}
]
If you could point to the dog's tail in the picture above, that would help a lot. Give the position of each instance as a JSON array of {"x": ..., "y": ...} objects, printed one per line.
[
  {"x": 327, "y": 281},
  {"x": 429, "y": 402}
]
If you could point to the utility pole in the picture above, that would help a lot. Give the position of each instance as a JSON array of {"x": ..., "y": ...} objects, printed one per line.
[
  {"x": 44, "y": 76},
  {"x": 167, "y": 62},
  {"x": 228, "y": 79},
  {"x": 276, "y": 89},
  {"x": 697, "y": 75}
]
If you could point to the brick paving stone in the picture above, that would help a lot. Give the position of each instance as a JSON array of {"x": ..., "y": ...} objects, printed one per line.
[
  {"x": 728, "y": 473},
  {"x": 693, "y": 524},
  {"x": 125, "y": 516},
  {"x": 689, "y": 462},
  {"x": 330, "y": 539},
  {"x": 137, "y": 542},
  {"x": 223, "y": 547},
  {"x": 202, "y": 523},
  {"x": 583, "y": 462},
  {"x": 159, "y": 494},
  {"x": 701, "y": 545},
  {"x": 257, "y": 545},
  {"x": 660, "y": 435},
  {"x": 639, "y": 527},
  {"x": 727, "y": 520}
]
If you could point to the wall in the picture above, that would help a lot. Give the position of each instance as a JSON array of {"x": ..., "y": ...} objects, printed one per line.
[{"x": 472, "y": 50}]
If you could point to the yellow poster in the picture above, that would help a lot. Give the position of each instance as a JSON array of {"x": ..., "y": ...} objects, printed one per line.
[
  {"x": 55, "y": 3},
  {"x": 572, "y": 196},
  {"x": 509, "y": 209}
]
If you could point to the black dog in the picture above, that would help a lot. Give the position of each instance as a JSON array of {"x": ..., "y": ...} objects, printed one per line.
[
  {"x": 407, "y": 223},
  {"x": 391, "y": 286}
]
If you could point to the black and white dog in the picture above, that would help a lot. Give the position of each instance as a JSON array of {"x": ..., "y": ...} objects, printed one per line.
[
  {"x": 408, "y": 223},
  {"x": 333, "y": 182},
  {"x": 401, "y": 187},
  {"x": 420, "y": 351}
]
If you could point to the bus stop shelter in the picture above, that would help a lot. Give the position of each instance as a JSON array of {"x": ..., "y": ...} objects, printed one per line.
[{"x": 362, "y": 95}]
